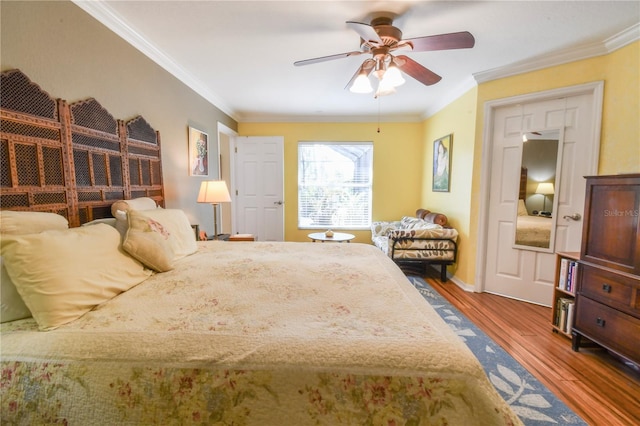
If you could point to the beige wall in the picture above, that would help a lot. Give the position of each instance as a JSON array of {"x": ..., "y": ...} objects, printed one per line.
[{"x": 73, "y": 57}]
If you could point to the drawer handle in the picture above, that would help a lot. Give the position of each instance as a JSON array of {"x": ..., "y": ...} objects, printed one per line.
[
  {"x": 606, "y": 288},
  {"x": 600, "y": 322}
]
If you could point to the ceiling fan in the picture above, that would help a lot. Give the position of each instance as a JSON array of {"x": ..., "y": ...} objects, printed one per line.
[{"x": 380, "y": 39}]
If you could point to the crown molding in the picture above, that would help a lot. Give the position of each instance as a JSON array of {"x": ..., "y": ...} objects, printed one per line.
[
  {"x": 468, "y": 84},
  {"x": 384, "y": 118},
  {"x": 101, "y": 11},
  {"x": 564, "y": 56}
]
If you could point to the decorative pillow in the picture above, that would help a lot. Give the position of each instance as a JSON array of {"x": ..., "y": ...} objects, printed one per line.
[
  {"x": 61, "y": 275},
  {"x": 436, "y": 218},
  {"x": 11, "y": 307},
  {"x": 20, "y": 223},
  {"x": 182, "y": 240},
  {"x": 149, "y": 241},
  {"x": 411, "y": 222},
  {"x": 142, "y": 203},
  {"x": 522, "y": 208}
]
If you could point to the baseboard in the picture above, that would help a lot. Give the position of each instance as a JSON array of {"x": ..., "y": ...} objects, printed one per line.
[{"x": 452, "y": 278}]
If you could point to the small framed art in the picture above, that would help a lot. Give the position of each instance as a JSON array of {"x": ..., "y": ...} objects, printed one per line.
[
  {"x": 198, "y": 152},
  {"x": 442, "y": 163}
]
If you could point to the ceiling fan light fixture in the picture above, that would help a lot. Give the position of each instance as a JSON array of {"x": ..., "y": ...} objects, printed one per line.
[
  {"x": 361, "y": 85},
  {"x": 393, "y": 76},
  {"x": 384, "y": 89}
]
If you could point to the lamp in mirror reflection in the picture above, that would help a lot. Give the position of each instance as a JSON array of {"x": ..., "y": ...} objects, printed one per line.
[
  {"x": 214, "y": 192},
  {"x": 545, "y": 188}
]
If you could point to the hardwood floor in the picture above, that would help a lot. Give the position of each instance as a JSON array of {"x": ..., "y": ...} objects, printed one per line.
[{"x": 599, "y": 387}]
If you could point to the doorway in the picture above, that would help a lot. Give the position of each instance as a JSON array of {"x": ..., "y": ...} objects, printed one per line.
[
  {"x": 259, "y": 186},
  {"x": 503, "y": 267}
]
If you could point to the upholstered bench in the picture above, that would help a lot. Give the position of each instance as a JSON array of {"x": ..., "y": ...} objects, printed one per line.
[{"x": 417, "y": 242}]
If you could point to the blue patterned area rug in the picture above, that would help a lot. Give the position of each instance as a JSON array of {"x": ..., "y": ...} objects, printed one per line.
[{"x": 528, "y": 398}]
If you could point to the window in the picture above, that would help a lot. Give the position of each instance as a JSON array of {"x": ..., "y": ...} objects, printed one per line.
[{"x": 334, "y": 185}]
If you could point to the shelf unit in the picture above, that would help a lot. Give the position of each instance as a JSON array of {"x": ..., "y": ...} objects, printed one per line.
[{"x": 559, "y": 323}]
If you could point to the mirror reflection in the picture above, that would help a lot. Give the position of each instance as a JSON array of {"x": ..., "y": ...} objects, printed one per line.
[{"x": 535, "y": 220}]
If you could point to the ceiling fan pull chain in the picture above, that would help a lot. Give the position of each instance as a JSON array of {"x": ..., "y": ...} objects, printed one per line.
[{"x": 378, "y": 114}]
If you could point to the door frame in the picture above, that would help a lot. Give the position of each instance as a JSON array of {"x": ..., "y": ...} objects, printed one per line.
[
  {"x": 226, "y": 164},
  {"x": 596, "y": 89}
]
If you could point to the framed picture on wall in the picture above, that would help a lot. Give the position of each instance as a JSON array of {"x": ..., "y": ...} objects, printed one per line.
[
  {"x": 198, "y": 152},
  {"x": 442, "y": 163}
]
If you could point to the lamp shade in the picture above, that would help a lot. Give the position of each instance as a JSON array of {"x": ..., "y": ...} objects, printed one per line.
[
  {"x": 213, "y": 192},
  {"x": 361, "y": 84},
  {"x": 393, "y": 76},
  {"x": 545, "y": 188}
]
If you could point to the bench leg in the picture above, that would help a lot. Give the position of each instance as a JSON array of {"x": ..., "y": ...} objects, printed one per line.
[{"x": 443, "y": 273}]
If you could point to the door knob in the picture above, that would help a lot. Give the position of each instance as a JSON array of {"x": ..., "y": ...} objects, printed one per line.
[
  {"x": 575, "y": 216},
  {"x": 278, "y": 202}
]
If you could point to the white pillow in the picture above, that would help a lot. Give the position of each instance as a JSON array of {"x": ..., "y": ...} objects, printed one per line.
[
  {"x": 182, "y": 241},
  {"x": 62, "y": 274},
  {"x": 111, "y": 221},
  {"x": 11, "y": 307},
  {"x": 20, "y": 223},
  {"x": 142, "y": 203}
]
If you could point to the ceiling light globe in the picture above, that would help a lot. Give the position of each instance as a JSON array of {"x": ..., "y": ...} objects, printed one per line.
[
  {"x": 384, "y": 89},
  {"x": 394, "y": 76},
  {"x": 361, "y": 85}
]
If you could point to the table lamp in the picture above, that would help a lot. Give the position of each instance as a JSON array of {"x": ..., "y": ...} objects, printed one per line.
[
  {"x": 545, "y": 188},
  {"x": 214, "y": 192}
]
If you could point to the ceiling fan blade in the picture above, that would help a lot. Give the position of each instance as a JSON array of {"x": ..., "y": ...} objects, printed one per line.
[
  {"x": 327, "y": 58},
  {"x": 366, "y": 67},
  {"x": 417, "y": 71},
  {"x": 365, "y": 31},
  {"x": 461, "y": 40}
]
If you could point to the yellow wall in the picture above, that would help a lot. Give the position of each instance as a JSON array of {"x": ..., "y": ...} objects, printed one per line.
[
  {"x": 459, "y": 118},
  {"x": 620, "y": 136},
  {"x": 397, "y": 165}
]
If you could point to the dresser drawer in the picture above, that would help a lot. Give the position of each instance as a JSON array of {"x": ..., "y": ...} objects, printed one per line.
[
  {"x": 608, "y": 327},
  {"x": 610, "y": 288}
]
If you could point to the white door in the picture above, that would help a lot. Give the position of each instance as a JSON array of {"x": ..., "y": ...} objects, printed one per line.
[
  {"x": 528, "y": 274},
  {"x": 259, "y": 183}
]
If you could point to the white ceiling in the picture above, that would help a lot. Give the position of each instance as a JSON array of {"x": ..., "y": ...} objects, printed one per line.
[{"x": 239, "y": 54}]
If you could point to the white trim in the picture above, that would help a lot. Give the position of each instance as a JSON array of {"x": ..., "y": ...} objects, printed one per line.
[
  {"x": 560, "y": 57},
  {"x": 101, "y": 11},
  {"x": 596, "y": 89},
  {"x": 228, "y": 131}
]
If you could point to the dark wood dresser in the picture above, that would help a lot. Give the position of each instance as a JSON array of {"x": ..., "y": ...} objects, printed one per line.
[{"x": 608, "y": 293}]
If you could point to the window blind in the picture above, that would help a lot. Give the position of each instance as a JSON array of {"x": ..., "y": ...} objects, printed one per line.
[{"x": 335, "y": 185}]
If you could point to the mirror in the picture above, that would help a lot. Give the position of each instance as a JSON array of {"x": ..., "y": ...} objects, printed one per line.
[{"x": 539, "y": 170}]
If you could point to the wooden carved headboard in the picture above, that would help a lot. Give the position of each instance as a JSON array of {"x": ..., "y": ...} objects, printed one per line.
[{"x": 71, "y": 159}]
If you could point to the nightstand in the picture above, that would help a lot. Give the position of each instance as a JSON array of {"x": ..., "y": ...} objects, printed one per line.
[{"x": 242, "y": 237}]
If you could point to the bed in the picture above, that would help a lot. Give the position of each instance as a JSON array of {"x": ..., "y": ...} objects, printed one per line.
[
  {"x": 533, "y": 231},
  {"x": 173, "y": 331}
]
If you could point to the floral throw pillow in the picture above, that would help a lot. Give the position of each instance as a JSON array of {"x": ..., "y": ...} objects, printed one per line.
[{"x": 148, "y": 241}]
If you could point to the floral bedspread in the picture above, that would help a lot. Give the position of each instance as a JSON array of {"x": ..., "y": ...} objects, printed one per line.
[{"x": 252, "y": 333}]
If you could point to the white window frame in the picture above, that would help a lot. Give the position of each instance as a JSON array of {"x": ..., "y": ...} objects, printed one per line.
[{"x": 331, "y": 179}]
